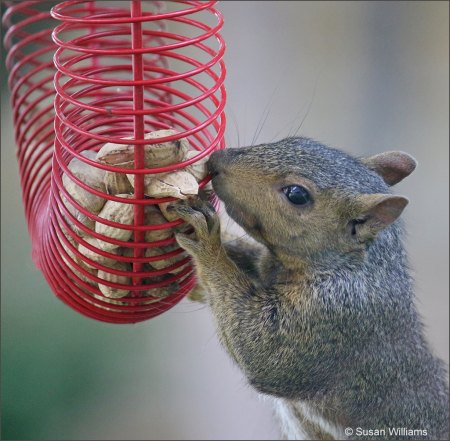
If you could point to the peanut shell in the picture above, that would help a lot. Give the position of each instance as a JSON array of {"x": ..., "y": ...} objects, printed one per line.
[
  {"x": 166, "y": 153},
  {"x": 147, "y": 179},
  {"x": 85, "y": 220},
  {"x": 115, "y": 293},
  {"x": 117, "y": 183},
  {"x": 197, "y": 169},
  {"x": 115, "y": 212},
  {"x": 179, "y": 184},
  {"x": 155, "y": 155},
  {"x": 75, "y": 260},
  {"x": 102, "y": 260},
  {"x": 161, "y": 264},
  {"x": 91, "y": 176},
  {"x": 153, "y": 216},
  {"x": 118, "y": 155}
]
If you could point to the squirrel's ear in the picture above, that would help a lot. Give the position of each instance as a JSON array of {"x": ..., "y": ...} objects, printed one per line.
[
  {"x": 376, "y": 212},
  {"x": 391, "y": 166}
]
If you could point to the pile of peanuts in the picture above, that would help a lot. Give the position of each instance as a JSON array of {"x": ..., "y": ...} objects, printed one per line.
[{"x": 180, "y": 184}]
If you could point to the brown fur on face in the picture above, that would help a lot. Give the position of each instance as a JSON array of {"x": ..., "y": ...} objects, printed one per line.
[{"x": 253, "y": 194}]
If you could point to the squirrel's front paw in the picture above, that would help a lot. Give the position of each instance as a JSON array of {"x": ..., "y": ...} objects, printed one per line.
[{"x": 202, "y": 216}]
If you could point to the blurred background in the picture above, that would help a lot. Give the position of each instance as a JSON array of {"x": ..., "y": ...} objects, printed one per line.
[{"x": 365, "y": 77}]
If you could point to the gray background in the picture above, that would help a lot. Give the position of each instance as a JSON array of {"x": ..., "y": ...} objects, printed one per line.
[{"x": 374, "y": 76}]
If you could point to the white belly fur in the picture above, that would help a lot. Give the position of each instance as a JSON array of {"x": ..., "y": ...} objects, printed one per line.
[{"x": 301, "y": 422}]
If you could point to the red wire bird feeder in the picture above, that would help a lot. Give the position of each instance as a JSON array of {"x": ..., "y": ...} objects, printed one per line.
[{"x": 95, "y": 74}]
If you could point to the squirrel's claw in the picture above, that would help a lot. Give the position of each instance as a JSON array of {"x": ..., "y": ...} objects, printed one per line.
[
  {"x": 187, "y": 244},
  {"x": 202, "y": 216},
  {"x": 207, "y": 209},
  {"x": 193, "y": 217}
]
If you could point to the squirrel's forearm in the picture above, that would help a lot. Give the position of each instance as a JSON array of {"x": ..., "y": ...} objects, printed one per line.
[
  {"x": 252, "y": 328},
  {"x": 221, "y": 273},
  {"x": 243, "y": 252},
  {"x": 234, "y": 299}
]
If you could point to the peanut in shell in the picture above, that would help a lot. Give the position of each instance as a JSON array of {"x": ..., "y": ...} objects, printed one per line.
[
  {"x": 161, "y": 264},
  {"x": 178, "y": 184},
  {"x": 118, "y": 155},
  {"x": 197, "y": 169},
  {"x": 115, "y": 212},
  {"x": 153, "y": 216},
  {"x": 155, "y": 155},
  {"x": 80, "y": 217},
  {"x": 166, "y": 153},
  {"x": 115, "y": 293},
  {"x": 89, "y": 175},
  {"x": 148, "y": 178},
  {"x": 117, "y": 183},
  {"x": 92, "y": 255},
  {"x": 73, "y": 259}
]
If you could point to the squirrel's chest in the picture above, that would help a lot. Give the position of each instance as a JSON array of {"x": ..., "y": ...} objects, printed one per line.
[{"x": 300, "y": 422}]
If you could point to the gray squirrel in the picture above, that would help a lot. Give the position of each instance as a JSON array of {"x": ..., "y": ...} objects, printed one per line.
[{"x": 318, "y": 312}]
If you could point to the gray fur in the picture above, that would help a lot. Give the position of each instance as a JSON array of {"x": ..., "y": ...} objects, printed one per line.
[{"x": 320, "y": 319}]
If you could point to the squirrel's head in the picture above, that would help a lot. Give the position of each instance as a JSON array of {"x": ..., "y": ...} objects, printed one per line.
[{"x": 301, "y": 198}]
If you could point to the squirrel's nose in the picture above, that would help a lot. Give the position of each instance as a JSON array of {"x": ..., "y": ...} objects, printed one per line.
[{"x": 221, "y": 159}]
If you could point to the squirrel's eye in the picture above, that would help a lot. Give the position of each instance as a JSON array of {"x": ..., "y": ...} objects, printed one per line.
[{"x": 297, "y": 195}]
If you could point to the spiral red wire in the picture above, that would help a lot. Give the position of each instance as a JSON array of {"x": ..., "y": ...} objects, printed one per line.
[{"x": 95, "y": 74}]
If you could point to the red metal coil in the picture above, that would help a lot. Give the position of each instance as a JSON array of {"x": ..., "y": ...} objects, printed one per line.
[{"x": 95, "y": 74}]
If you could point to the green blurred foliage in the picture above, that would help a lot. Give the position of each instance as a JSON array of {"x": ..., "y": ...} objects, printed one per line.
[{"x": 54, "y": 362}]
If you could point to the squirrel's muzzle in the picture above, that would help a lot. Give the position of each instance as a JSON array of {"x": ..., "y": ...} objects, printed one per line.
[{"x": 220, "y": 160}]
